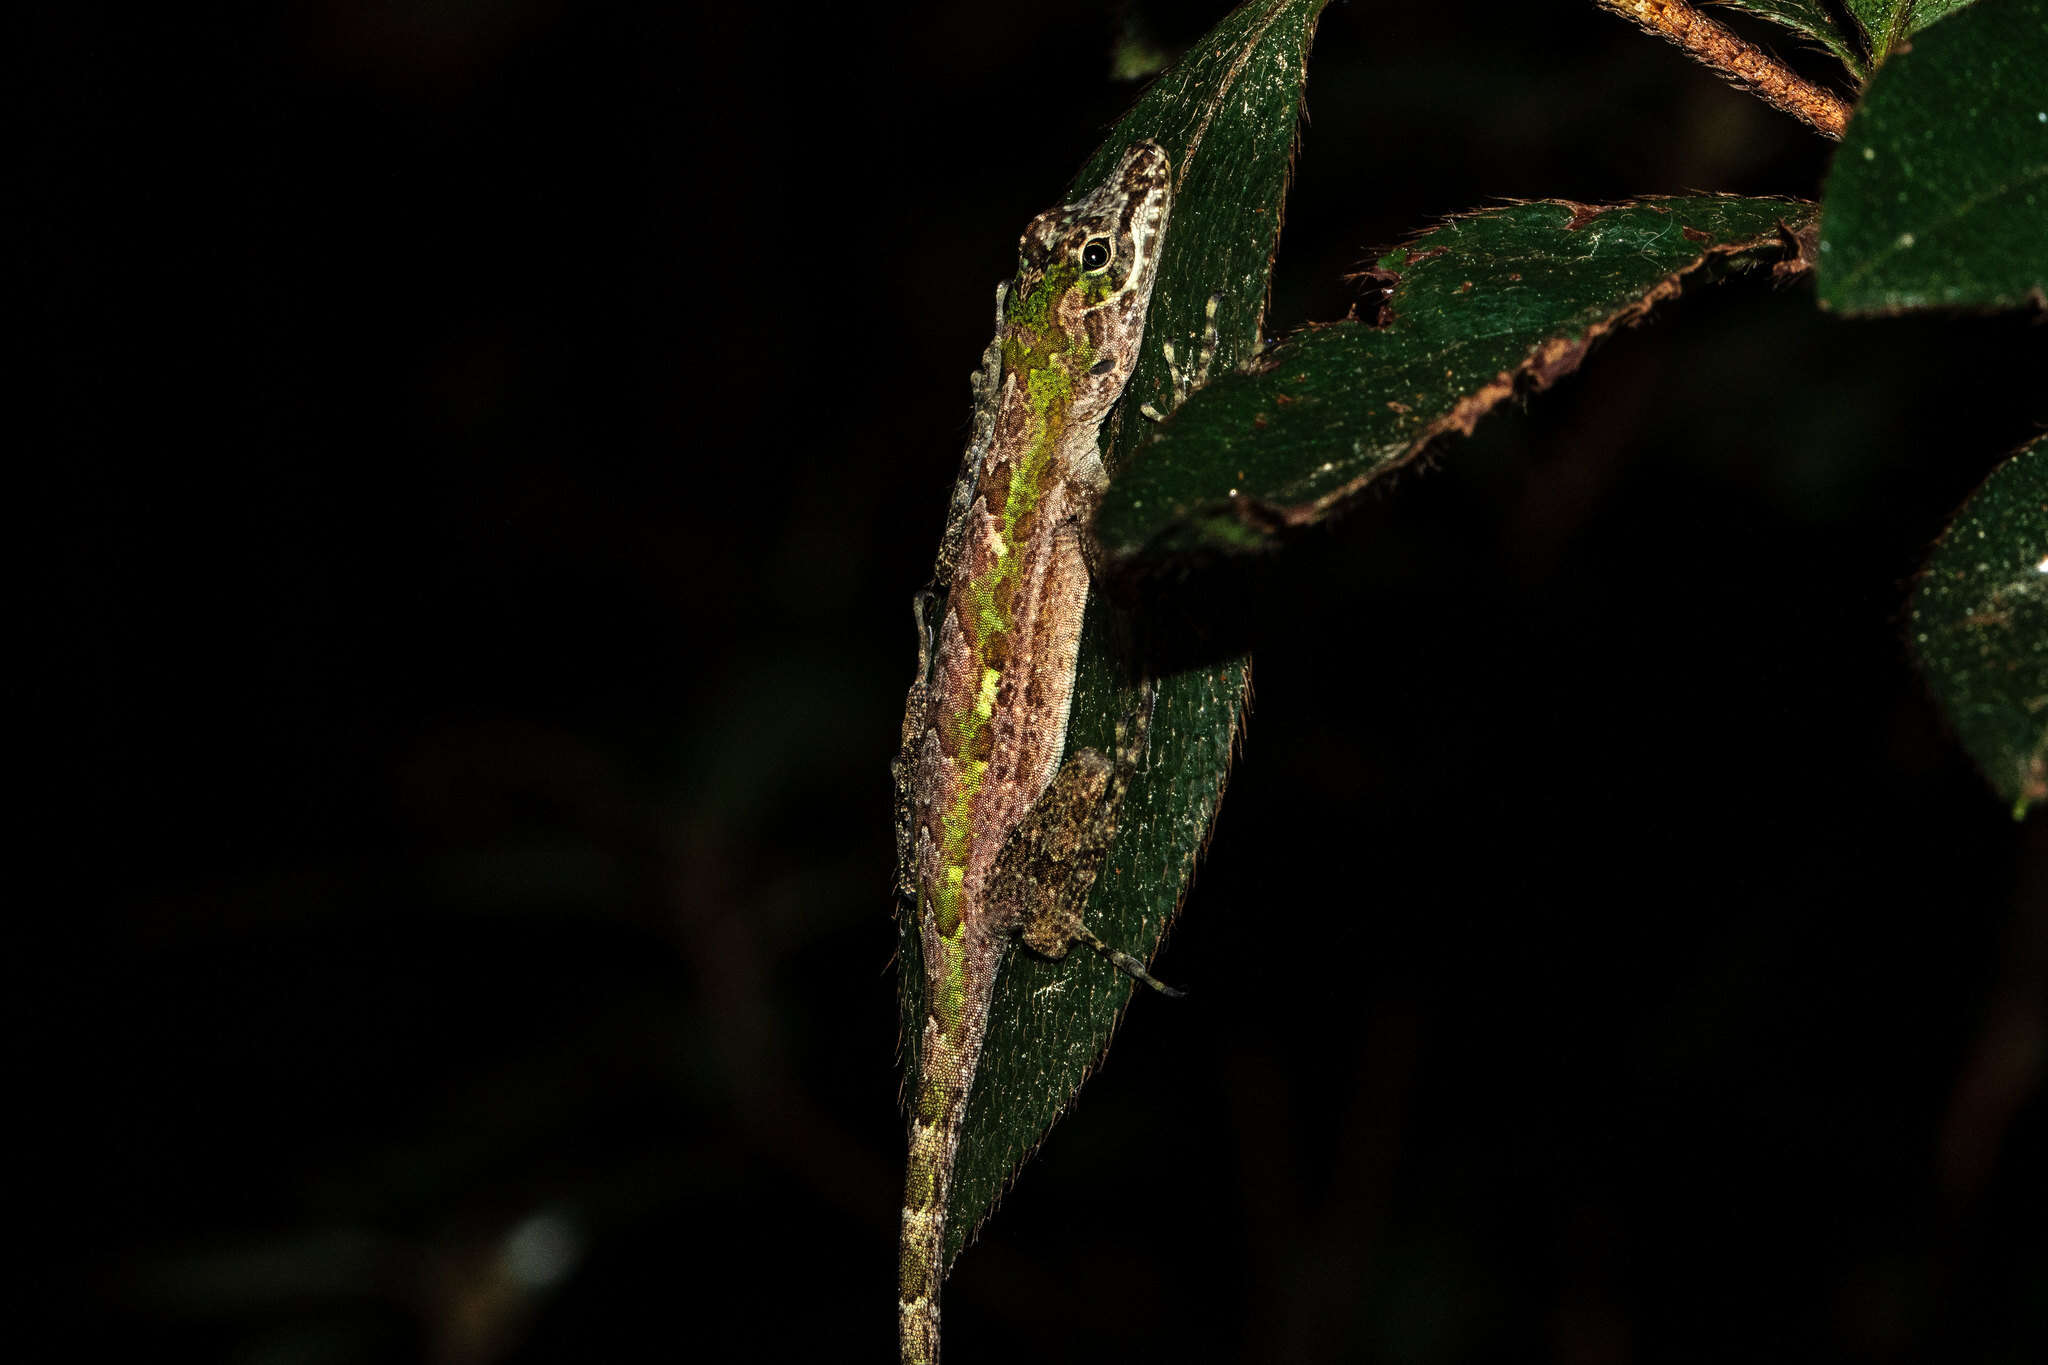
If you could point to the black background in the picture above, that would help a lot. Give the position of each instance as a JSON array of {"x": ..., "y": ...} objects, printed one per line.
[{"x": 481, "y": 458}]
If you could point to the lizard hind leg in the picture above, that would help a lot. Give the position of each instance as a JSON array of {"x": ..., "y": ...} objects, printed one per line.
[
  {"x": 1125, "y": 963},
  {"x": 1047, "y": 867}
]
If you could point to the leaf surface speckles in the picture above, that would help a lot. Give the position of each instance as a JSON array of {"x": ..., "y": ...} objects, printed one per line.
[
  {"x": 1939, "y": 193},
  {"x": 1980, "y": 626}
]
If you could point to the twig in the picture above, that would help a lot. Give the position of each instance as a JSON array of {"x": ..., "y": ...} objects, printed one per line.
[{"x": 1740, "y": 61}]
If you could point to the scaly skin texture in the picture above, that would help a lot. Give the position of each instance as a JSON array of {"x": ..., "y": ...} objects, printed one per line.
[{"x": 991, "y": 845}]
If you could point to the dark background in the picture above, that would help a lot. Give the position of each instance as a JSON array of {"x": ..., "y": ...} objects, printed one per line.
[{"x": 482, "y": 456}]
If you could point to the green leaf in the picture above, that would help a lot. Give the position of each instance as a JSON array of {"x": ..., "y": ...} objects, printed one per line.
[
  {"x": 1810, "y": 19},
  {"x": 1939, "y": 192},
  {"x": 1489, "y": 302},
  {"x": 1886, "y": 22},
  {"x": 1883, "y": 23},
  {"x": 1980, "y": 626},
  {"x": 1227, "y": 115},
  {"x": 1931, "y": 11}
]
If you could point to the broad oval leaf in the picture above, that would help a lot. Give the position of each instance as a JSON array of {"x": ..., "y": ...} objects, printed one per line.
[
  {"x": 1939, "y": 192},
  {"x": 1227, "y": 115},
  {"x": 1487, "y": 303},
  {"x": 1980, "y": 626},
  {"x": 1930, "y": 11}
]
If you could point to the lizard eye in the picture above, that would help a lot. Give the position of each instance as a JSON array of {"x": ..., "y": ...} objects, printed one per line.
[{"x": 1095, "y": 255}]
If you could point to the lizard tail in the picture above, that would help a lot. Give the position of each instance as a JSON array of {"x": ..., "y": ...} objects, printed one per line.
[{"x": 946, "y": 1071}]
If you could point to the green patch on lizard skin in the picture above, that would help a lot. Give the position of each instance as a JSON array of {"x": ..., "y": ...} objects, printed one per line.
[
  {"x": 954, "y": 946},
  {"x": 1037, "y": 348},
  {"x": 1034, "y": 337}
]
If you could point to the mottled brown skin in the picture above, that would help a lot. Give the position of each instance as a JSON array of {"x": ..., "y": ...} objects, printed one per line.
[{"x": 991, "y": 844}]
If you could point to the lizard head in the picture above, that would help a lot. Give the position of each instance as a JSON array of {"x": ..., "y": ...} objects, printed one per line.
[{"x": 1084, "y": 281}]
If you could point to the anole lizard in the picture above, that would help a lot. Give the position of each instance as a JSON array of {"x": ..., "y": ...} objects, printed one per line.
[{"x": 992, "y": 842}]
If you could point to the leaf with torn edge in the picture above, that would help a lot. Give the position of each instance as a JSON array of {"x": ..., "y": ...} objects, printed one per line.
[{"x": 1489, "y": 303}]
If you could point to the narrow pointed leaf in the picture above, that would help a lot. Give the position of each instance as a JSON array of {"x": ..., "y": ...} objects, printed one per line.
[
  {"x": 1810, "y": 19},
  {"x": 1939, "y": 192},
  {"x": 1883, "y": 23},
  {"x": 1980, "y": 627},
  {"x": 1227, "y": 115},
  {"x": 1489, "y": 303}
]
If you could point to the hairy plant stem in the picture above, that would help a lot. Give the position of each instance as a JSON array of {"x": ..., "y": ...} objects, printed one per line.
[{"x": 1740, "y": 61}]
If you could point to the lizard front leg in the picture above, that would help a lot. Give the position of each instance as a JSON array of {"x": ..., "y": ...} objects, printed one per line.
[{"x": 1185, "y": 382}]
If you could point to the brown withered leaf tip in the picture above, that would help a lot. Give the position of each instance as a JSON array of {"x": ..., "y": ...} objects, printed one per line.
[
  {"x": 1802, "y": 247},
  {"x": 1554, "y": 359},
  {"x": 1582, "y": 214}
]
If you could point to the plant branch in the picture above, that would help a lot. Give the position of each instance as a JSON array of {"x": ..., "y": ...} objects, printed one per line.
[{"x": 1740, "y": 61}]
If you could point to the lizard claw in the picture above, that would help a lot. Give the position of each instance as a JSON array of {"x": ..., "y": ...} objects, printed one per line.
[{"x": 1186, "y": 381}]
